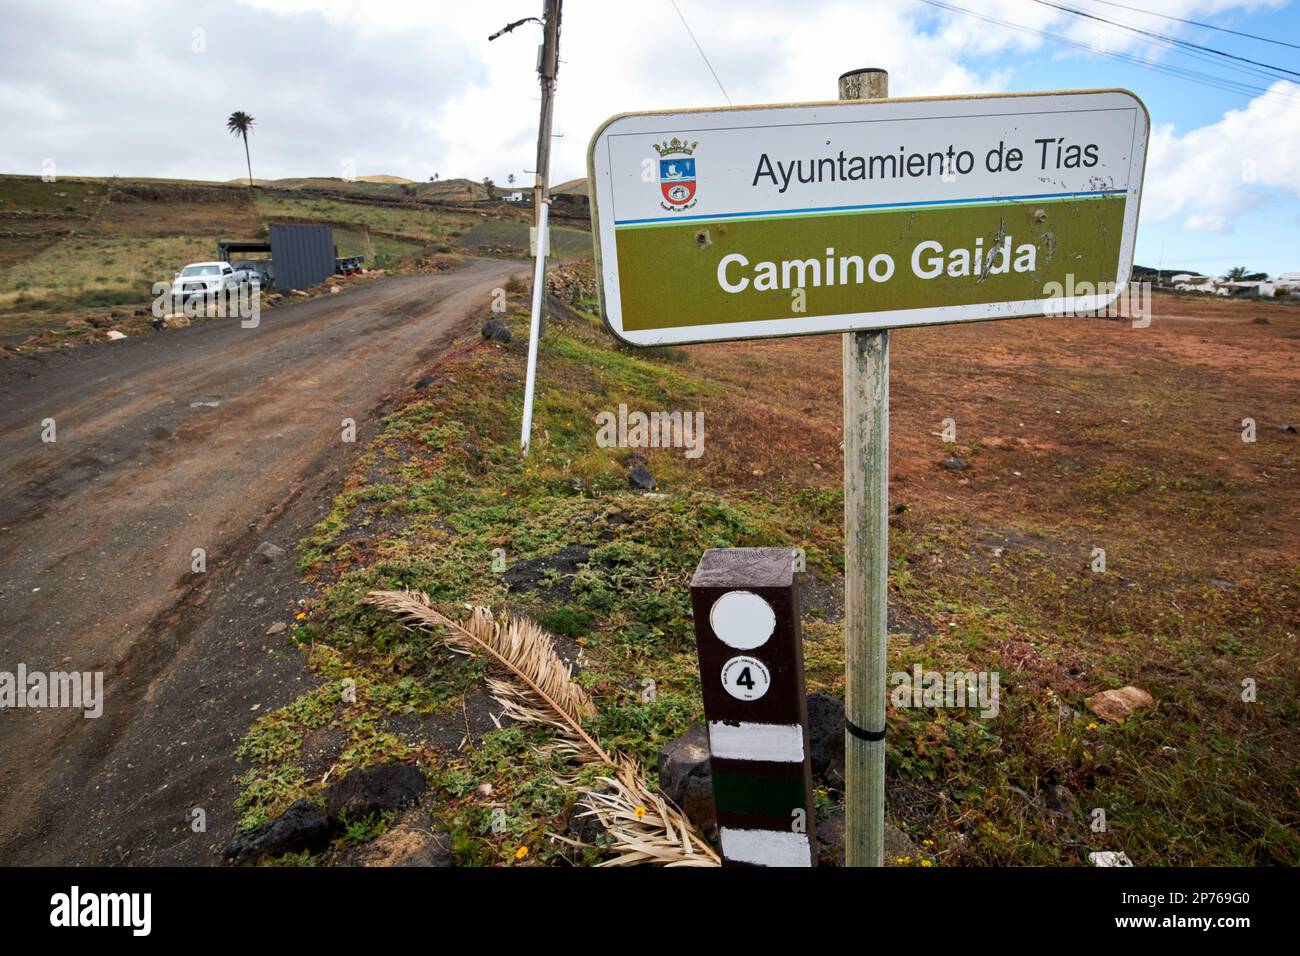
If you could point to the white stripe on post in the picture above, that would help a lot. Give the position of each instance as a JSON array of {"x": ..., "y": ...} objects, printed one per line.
[
  {"x": 766, "y": 847},
  {"x": 753, "y": 741}
]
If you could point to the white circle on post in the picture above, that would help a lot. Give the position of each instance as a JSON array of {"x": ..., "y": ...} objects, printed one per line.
[
  {"x": 746, "y": 678},
  {"x": 742, "y": 620}
]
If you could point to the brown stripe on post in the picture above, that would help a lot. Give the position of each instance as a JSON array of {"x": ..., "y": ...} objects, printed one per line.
[{"x": 746, "y": 607}]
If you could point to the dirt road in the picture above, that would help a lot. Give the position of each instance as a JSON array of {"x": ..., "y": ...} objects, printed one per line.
[{"x": 214, "y": 437}]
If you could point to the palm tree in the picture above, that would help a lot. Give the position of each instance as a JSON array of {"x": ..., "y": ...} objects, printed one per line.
[
  {"x": 1236, "y": 273},
  {"x": 239, "y": 124}
]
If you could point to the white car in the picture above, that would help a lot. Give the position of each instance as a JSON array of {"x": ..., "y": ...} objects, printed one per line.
[{"x": 210, "y": 278}]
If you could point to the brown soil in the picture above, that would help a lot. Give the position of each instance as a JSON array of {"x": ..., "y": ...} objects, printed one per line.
[
  {"x": 1088, "y": 411},
  {"x": 216, "y": 437}
]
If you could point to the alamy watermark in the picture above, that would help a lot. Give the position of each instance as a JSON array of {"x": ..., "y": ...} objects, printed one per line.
[
  {"x": 77, "y": 690},
  {"x": 73, "y": 909},
  {"x": 1131, "y": 300},
  {"x": 242, "y": 301},
  {"x": 652, "y": 430},
  {"x": 949, "y": 689}
]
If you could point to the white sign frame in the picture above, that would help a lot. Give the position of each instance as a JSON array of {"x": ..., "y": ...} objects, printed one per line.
[{"x": 1006, "y": 107}]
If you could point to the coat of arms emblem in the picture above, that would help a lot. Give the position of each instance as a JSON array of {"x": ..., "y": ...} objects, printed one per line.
[{"x": 677, "y": 173}]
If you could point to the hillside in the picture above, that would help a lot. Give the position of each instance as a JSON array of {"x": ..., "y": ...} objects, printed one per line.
[
  {"x": 87, "y": 248},
  {"x": 574, "y": 187},
  {"x": 394, "y": 187}
]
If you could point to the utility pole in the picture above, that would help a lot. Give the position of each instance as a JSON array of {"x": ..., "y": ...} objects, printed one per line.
[
  {"x": 866, "y": 562},
  {"x": 548, "y": 65}
]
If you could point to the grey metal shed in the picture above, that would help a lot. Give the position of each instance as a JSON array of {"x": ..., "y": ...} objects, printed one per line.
[{"x": 302, "y": 254}]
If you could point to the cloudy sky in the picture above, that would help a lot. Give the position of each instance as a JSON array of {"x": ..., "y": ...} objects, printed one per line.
[{"x": 143, "y": 87}]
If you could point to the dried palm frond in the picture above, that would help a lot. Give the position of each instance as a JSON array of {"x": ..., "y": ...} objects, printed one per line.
[
  {"x": 644, "y": 827},
  {"x": 543, "y": 690}
]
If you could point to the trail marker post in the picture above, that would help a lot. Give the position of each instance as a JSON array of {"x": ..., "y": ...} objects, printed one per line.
[
  {"x": 746, "y": 606},
  {"x": 859, "y": 216}
]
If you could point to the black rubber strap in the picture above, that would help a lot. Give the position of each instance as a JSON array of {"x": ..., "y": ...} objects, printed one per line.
[{"x": 869, "y": 735}]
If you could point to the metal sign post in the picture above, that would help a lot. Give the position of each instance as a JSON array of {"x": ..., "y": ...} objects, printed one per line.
[{"x": 866, "y": 564}]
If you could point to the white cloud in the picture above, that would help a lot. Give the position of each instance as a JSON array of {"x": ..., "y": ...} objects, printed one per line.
[
  {"x": 759, "y": 49},
  {"x": 763, "y": 52},
  {"x": 1211, "y": 175},
  {"x": 412, "y": 87}
]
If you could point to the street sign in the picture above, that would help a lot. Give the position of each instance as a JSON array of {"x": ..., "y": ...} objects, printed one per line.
[{"x": 829, "y": 217}]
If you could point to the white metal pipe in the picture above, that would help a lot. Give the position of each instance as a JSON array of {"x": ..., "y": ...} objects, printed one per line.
[{"x": 534, "y": 333}]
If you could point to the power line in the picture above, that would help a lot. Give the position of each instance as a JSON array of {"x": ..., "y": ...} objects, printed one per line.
[
  {"x": 1234, "y": 67},
  {"x": 1163, "y": 38},
  {"x": 1198, "y": 23},
  {"x": 1197, "y": 55},
  {"x": 1216, "y": 82},
  {"x": 1223, "y": 83},
  {"x": 702, "y": 54}
]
